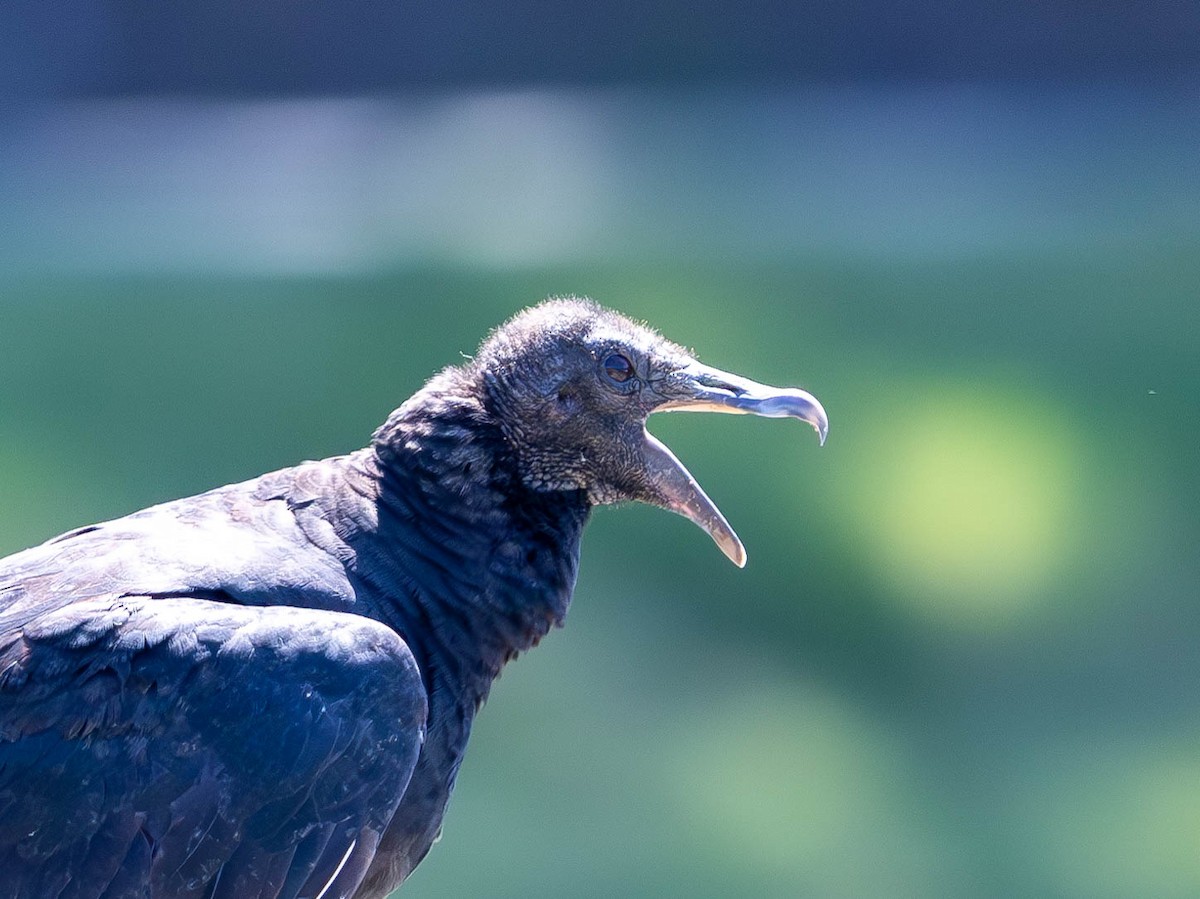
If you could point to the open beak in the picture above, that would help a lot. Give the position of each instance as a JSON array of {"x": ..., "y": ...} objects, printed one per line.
[{"x": 699, "y": 388}]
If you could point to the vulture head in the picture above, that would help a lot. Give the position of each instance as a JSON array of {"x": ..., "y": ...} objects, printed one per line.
[{"x": 573, "y": 383}]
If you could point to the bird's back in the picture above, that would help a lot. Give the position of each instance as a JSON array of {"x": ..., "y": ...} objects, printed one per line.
[
  {"x": 190, "y": 703},
  {"x": 260, "y": 542}
]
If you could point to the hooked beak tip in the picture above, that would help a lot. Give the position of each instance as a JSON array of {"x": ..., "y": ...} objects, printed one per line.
[{"x": 822, "y": 429}]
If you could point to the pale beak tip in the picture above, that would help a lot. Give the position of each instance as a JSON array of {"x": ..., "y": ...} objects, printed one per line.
[
  {"x": 734, "y": 550},
  {"x": 820, "y": 422}
]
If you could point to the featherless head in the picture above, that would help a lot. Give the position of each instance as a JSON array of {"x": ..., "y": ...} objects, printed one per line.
[{"x": 572, "y": 383}]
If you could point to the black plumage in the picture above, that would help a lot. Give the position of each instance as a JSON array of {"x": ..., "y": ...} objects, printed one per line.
[{"x": 266, "y": 690}]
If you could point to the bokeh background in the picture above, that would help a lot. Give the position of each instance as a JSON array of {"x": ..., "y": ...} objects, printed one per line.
[{"x": 963, "y": 660}]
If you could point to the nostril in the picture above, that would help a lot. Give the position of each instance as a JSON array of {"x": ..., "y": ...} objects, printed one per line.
[{"x": 715, "y": 383}]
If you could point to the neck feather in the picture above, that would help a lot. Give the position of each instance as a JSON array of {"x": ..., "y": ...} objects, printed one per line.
[{"x": 472, "y": 566}]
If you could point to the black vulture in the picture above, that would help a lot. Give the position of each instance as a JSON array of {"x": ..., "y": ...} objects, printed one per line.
[{"x": 266, "y": 690}]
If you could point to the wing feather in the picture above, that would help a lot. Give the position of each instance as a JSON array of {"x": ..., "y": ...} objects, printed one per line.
[{"x": 205, "y": 748}]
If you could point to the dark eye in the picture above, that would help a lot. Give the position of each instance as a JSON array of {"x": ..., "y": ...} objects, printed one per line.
[{"x": 618, "y": 367}]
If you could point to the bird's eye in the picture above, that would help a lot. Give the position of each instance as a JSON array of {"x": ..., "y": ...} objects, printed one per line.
[{"x": 618, "y": 367}]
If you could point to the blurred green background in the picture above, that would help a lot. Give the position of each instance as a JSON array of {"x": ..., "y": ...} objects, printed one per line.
[{"x": 962, "y": 660}]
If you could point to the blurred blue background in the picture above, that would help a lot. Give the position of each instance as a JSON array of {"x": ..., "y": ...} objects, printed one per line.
[{"x": 963, "y": 658}]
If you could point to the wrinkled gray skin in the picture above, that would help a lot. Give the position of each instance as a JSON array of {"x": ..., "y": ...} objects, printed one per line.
[{"x": 266, "y": 690}]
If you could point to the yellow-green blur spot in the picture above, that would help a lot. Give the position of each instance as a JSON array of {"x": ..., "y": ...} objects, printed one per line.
[{"x": 966, "y": 499}]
